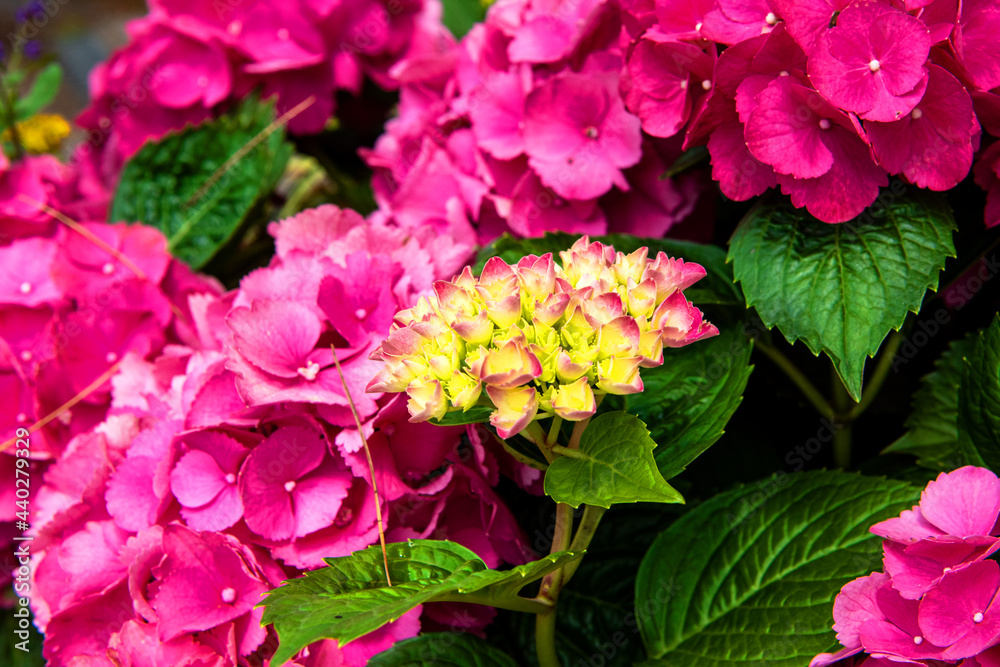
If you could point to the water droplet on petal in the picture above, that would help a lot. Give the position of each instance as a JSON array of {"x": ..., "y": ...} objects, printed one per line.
[
  {"x": 874, "y": 65},
  {"x": 229, "y": 595}
]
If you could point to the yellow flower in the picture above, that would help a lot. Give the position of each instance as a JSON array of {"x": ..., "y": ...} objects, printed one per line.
[{"x": 42, "y": 133}]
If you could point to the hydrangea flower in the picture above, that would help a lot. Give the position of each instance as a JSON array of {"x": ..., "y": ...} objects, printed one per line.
[
  {"x": 938, "y": 600},
  {"x": 220, "y": 458},
  {"x": 540, "y": 339}
]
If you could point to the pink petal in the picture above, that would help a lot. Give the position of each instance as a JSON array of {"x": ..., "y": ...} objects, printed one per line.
[
  {"x": 196, "y": 479},
  {"x": 948, "y": 611},
  {"x": 963, "y": 503}
]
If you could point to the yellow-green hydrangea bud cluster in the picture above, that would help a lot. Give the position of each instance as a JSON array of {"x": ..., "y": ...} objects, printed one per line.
[{"x": 543, "y": 338}]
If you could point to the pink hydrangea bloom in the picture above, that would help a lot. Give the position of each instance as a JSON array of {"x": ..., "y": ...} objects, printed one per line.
[
  {"x": 872, "y": 62},
  {"x": 936, "y": 602},
  {"x": 185, "y": 488},
  {"x": 187, "y": 61},
  {"x": 552, "y": 145}
]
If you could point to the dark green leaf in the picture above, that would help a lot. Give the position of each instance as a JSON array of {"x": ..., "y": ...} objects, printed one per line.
[
  {"x": 716, "y": 287},
  {"x": 979, "y": 400},
  {"x": 477, "y": 414},
  {"x": 932, "y": 434},
  {"x": 43, "y": 91},
  {"x": 614, "y": 464},
  {"x": 689, "y": 399},
  {"x": 461, "y": 15},
  {"x": 750, "y": 576},
  {"x": 350, "y": 597},
  {"x": 442, "y": 649},
  {"x": 169, "y": 183},
  {"x": 842, "y": 287}
]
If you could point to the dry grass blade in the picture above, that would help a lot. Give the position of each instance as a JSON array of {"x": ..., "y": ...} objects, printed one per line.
[
  {"x": 249, "y": 146},
  {"x": 371, "y": 465},
  {"x": 68, "y": 405}
]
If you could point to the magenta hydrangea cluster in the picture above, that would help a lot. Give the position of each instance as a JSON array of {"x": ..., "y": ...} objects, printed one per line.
[
  {"x": 564, "y": 115},
  {"x": 220, "y": 455},
  {"x": 522, "y": 127},
  {"x": 937, "y": 600},
  {"x": 187, "y": 59}
]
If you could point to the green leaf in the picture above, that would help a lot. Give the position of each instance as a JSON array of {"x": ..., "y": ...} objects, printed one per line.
[
  {"x": 43, "y": 91},
  {"x": 350, "y": 597},
  {"x": 689, "y": 399},
  {"x": 477, "y": 414},
  {"x": 614, "y": 464},
  {"x": 979, "y": 400},
  {"x": 168, "y": 184},
  {"x": 842, "y": 287},
  {"x": 442, "y": 649},
  {"x": 461, "y": 15},
  {"x": 932, "y": 427},
  {"x": 750, "y": 576},
  {"x": 716, "y": 287}
]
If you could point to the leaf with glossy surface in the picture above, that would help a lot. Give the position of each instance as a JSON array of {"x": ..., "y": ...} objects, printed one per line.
[
  {"x": 842, "y": 287},
  {"x": 442, "y": 649},
  {"x": 750, "y": 576},
  {"x": 979, "y": 400},
  {"x": 350, "y": 597},
  {"x": 932, "y": 427},
  {"x": 688, "y": 401},
  {"x": 614, "y": 464},
  {"x": 175, "y": 185}
]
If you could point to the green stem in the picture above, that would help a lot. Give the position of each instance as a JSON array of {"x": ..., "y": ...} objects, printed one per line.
[
  {"x": 572, "y": 453},
  {"x": 578, "y": 429},
  {"x": 842, "y": 436},
  {"x": 801, "y": 381},
  {"x": 545, "y": 623},
  {"x": 545, "y": 640},
  {"x": 554, "y": 431},
  {"x": 303, "y": 191},
  {"x": 11, "y": 119},
  {"x": 878, "y": 376},
  {"x": 584, "y": 534},
  {"x": 537, "y": 436}
]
